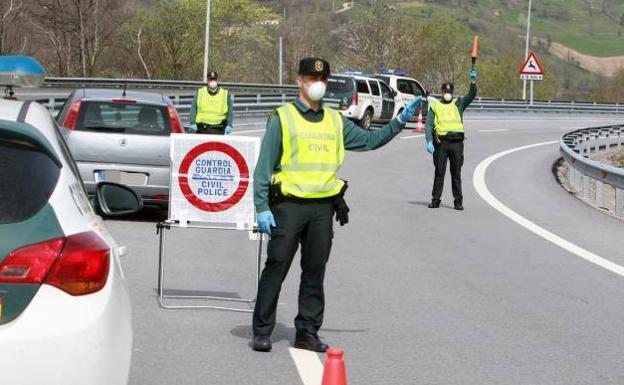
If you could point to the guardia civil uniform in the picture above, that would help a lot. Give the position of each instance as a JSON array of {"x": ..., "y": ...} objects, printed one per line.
[
  {"x": 296, "y": 178},
  {"x": 212, "y": 111},
  {"x": 445, "y": 127}
]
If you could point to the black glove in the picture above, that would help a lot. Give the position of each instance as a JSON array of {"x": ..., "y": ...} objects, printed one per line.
[{"x": 342, "y": 211}]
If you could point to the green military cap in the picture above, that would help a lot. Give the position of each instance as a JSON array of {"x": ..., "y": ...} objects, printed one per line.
[
  {"x": 212, "y": 75},
  {"x": 313, "y": 66}
]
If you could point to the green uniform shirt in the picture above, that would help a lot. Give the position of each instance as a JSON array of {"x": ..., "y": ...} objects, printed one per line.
[
  {"x": 355, "y": 139},
  {"x": 193, "y": 112},
  {"x": 462, "y": 103}
]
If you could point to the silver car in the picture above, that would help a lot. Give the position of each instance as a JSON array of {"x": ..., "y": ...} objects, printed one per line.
[{"x": 121, "y": 137}]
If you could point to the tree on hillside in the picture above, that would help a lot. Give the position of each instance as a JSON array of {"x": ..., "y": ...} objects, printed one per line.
[
  {"x": 12, "y": 38},
  {"x": 241, "y": 34}
]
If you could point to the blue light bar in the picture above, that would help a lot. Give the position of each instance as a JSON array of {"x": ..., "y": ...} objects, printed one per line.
[
  {"x": 20, "y": 71},
  {"x": 390, "y": 71},
  {"x": 357, "y": 73}
]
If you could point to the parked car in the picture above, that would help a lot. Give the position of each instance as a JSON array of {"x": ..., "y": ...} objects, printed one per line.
[
  {"x": 121, "y": 136},
  {"x": 65, "y": 314},
  {"x": 406, "y": 88},
  {"x": 364, "y": 99}
]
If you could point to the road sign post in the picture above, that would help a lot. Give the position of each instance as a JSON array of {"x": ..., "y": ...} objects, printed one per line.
[
  {"x": 211, "y": 188},
  {"x": 532, "y": 70}
]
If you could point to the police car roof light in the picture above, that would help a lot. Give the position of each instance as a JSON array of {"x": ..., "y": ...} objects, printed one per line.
[
  {"x": 20, "y": 71},
  {"x": 390, "y": 71},
  {"x": 357, "y": 73}
]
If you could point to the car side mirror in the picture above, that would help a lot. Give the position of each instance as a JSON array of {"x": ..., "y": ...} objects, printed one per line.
[{"x": 114, "y": 199}]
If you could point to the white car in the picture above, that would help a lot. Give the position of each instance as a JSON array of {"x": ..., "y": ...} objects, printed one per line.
[
  {"x": 361, "y": 98},
  {"x": 406, "y": 89},
  {"x": 65, "y": 314}
]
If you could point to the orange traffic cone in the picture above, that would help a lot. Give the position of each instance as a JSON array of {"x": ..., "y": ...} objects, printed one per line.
[
  {"x": 419, "y": 123},
  {"x": 335, "y": 372}
]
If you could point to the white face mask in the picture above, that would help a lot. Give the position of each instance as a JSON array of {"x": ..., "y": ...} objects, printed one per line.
[
  {"x": 212, "y": 84},
  {"x": 448, "y": 97},
  {"x": 316, "y": 91}
]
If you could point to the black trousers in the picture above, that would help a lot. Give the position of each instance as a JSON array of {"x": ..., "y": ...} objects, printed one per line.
[
  {"x": 453, "y": 151},
  {"x": 308, "y": 224}
]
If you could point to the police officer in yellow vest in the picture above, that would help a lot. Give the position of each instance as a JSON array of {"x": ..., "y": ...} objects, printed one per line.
[
  {"x": 211, "y": 109},
  {"x": 297, "y": 192},
  {"x": 445, "y": 139}
]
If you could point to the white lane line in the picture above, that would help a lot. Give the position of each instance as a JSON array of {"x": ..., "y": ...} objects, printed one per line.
[
  {"x": 412, "y": 136},
  {"x": 248, "y": 131},
  {"x": 495, "y": 130},
  {"x": 478, "y": 179},
  {"x": 309, "y": 366}
]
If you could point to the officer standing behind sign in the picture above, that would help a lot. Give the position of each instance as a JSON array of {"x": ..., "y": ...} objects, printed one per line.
[
  {"x": 211, "y": 109},
  {"x": 445, "y": 139},
  {"x": 296, "y": 194}
]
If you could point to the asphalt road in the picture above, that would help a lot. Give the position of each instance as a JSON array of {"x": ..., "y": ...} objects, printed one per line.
[{"x": 414, "y": 295}]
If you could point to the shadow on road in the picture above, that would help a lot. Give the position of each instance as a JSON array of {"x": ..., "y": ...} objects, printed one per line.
[{"x": 423, "y": 203}]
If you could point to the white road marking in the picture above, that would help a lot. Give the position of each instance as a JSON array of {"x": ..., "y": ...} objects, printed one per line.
[
  {"x": 478, "y": 180},
  {"x": 309, "y": 366},
  {"x": 249, "y": 124},
  {"x": 412, "y": 136},
  {"x": 495, "y": 130}
]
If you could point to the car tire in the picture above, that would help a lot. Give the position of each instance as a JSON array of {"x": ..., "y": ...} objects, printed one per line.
[{"x": 367, "y": 119}]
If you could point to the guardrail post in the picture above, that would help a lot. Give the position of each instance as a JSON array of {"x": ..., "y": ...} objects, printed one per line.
[
  {"x": 51, "y": 105},
  {"x": 258, "y": 98},
  {"x": 586, "y": 187},
  {"x": 283, "y": 98},
  {"x": 572, "y": 108},
  {"x": 177, "y": 100},
  {"x": 619, "y": 202},
  {"x": 599, "y": 193}
]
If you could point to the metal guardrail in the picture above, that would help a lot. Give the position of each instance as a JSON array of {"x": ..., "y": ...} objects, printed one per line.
[
  {"x": 252, "y": 98},
  {"x": 596, "y": 183}
]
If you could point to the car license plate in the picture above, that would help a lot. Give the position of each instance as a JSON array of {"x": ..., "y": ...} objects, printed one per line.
[{"x": 123, "y": 177}]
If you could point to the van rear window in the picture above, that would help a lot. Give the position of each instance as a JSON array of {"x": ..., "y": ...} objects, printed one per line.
[
  {"x": 362, "y": 87},
  {"x": 143, "y": 119},
  {"x": 339, "y": 84},
  {"x": 27, "y": 179}
]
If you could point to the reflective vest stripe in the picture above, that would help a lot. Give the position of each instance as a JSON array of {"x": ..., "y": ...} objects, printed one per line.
[{"x": 211, "y": 109}]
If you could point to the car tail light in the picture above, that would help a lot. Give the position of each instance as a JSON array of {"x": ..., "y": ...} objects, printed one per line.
[
  {"x": 77, "y": 264},
  {"x": 83, "y": 266},
  {"x": 356, "y": 98},
  {"x": 31, "y": 264},
  {"x": 124, "y": 101},
  {"x": 174, "y": 120},
  {"x": 72, "y": 115}
]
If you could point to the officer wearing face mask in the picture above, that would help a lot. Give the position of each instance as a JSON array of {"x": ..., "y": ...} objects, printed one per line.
[
  {"x": 297, "y": 192},
  {"x": 445, "y": 139},
  {"x": 211, "y": 109}
]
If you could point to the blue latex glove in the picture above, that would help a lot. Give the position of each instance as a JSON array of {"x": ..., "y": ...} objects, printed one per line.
[
  {"x": 265, "y": 221},
  {"x": 409, "y": 110},
  {"x": 193, "y": 128},
  {"x": 473, "y": 74},
  {"x": 228, "y": 130},
  {"x": 430, "y": 148}
]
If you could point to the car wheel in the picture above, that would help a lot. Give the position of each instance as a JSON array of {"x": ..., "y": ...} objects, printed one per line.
[{"x": 367, "y": 119}]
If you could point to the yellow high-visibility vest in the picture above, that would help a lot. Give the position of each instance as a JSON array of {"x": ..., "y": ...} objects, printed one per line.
[
  {"x": 447, "y": 118},
  {"x": 312, "y": 154},
  {"x": 211, "y": 109}
]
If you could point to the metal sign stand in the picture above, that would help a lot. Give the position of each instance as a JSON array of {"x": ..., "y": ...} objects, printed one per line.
[{"x": 161, "y": 229}]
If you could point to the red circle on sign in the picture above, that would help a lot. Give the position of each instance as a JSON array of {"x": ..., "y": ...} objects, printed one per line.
[{"x": 213, "y": 206}]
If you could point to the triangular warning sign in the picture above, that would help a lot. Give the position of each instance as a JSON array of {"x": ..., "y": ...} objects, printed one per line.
[{"x": 531, "y": 66}]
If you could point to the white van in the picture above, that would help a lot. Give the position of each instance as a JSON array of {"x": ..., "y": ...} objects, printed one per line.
[
  {"x": 361, "y": 98},
  {"x": 406, "y": 88}
]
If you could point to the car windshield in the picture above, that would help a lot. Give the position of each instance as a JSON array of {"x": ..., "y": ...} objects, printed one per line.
[
  {"x": 339, "y": 84},
  {"x": 115, "y": 117}
]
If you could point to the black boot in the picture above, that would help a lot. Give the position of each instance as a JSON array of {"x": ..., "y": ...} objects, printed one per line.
[
  {"x": 435, "y": 203},
  {"x": 459, "y": 204},
  {"x": 309, "y": 341},
  {"x": 261, "y": 343}
]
